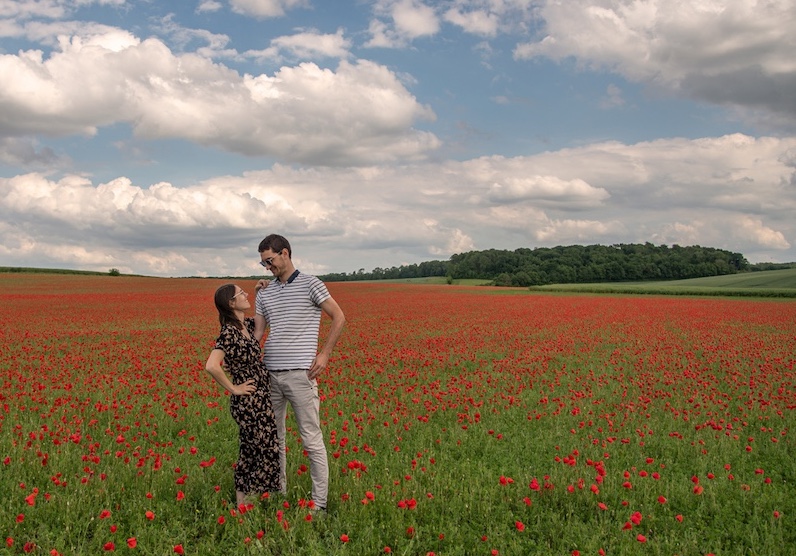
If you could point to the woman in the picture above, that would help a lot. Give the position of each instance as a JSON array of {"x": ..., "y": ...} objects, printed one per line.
[{"x": 236, "y": 350}]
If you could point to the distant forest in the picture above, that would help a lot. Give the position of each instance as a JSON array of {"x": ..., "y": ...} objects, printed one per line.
[{"x": 572, "y": 264}]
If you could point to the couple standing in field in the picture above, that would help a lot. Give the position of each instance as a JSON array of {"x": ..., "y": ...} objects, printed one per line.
[{"x": 262, "y": 386}]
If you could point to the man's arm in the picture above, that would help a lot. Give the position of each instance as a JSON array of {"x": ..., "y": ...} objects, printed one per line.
[
  {"x": 259, "y": 320},
  {"x": 331, "y": 308},
  {"x": 259, "y": 327}
]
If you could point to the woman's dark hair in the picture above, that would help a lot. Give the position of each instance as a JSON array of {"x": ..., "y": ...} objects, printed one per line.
[
  {"x": 275, "y": 243},
  {"x": 223, "y": 298}
]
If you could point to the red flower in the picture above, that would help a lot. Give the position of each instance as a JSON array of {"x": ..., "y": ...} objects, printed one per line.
[
  {"x": 679, "y": 518},
  {"x": 519, "y": 525},
  {"x": 178, "y": 549},
  {"x": 132, "y": 542},
  {"x": 150, "y": 515},
  {"x": 344, "y": 537},
  {"x": 109, "y": 546},
  {"x": 104, "y": 514},
  {"x": 641, "y": 538}
]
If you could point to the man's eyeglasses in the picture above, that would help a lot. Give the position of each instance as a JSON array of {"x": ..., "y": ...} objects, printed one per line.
[{"x": 267, "y": 262}]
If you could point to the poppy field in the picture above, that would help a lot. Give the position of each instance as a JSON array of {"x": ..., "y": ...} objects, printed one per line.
[{"x": 459, "y": 421}]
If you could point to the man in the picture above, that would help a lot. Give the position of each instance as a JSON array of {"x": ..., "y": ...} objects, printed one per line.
[{"x": 291, "y": 307}]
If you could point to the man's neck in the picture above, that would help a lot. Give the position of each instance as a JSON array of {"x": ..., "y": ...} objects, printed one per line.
[{"x": 285, "y": 276}]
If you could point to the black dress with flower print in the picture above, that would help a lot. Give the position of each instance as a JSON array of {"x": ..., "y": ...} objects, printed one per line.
[{"x": 257, "y": 470}]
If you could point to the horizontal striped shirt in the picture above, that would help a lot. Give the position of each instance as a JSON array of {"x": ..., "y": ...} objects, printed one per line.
[{"x": 292, "y": 311}]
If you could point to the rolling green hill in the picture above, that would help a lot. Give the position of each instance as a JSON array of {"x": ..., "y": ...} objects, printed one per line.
[
  {"x": 768, "y": 283},
  {"x": 765, "y": 279}
]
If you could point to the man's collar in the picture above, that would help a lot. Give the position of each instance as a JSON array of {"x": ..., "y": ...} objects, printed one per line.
[{"x": 292, "y": 276}]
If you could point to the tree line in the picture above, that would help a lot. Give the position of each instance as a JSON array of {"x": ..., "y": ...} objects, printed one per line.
[{"x": 571, "y": 264}]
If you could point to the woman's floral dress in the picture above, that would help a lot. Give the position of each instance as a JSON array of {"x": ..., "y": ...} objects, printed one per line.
[{"x": 257, "y": 470}]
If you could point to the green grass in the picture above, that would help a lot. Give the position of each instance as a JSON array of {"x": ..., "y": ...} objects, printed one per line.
[{"x": 769, "y": 283}]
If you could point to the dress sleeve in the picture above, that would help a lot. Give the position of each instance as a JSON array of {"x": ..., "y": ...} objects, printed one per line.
[{"x": 224, "y": 340}]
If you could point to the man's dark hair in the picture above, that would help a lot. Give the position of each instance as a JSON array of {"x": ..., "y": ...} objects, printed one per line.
[{"x": 275, "y": 243}]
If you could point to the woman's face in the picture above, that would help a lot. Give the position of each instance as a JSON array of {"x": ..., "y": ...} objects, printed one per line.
[{"x": 240, "y": 301}]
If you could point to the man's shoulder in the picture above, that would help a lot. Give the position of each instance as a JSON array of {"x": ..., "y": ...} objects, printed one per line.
[
  {"x": 307, "y": 277},
  {"x": 309, "y": 281}
]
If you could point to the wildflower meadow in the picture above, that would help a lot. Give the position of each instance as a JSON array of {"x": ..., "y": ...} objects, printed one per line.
[{"x": 459, "y": 421}]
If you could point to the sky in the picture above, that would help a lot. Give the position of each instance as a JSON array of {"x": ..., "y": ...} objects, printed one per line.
[{"x": 167, "y": 138}]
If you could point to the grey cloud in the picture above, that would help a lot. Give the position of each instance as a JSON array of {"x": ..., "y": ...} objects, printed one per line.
[
  {"x": 750, "y": 88},
  {"x": 26, "y": 153},
  {"x": 735, "y": 53}
]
